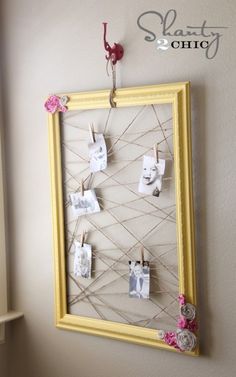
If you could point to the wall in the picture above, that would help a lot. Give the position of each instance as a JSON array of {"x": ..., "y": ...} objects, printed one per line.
[
  {"x": 3, "y": 360},
  {"x": 53, "y": 46},
  {"x": 3, "y": 263}
]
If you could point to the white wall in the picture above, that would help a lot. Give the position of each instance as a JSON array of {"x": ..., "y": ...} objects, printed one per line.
[{"x": 53, "y": 46}]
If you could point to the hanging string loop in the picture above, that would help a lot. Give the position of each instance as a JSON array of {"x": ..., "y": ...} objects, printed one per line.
[{"x": 114, "y": 54}]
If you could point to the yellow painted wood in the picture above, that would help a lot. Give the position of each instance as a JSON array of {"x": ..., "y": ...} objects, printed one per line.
[
  {"x": 58, "y": 218},
  {"x": 177, "y": 94}
]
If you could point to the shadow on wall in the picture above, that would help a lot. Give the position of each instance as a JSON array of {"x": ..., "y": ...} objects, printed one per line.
[{"x": 199, "y": 102}]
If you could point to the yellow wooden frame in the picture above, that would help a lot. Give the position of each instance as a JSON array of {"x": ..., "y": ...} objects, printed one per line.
[{"x": 177, "y": 94}]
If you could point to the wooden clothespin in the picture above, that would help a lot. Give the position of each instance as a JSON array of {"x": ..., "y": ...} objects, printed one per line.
[
  {"x": 155, "y": 150},
  {"x": 82, "y": 238},
  {"x": 70, "y": 201},
  {"x": 91, "y": 133},
  {"x": 82, "y": 187},
  {"x": 142, "y": 255}
]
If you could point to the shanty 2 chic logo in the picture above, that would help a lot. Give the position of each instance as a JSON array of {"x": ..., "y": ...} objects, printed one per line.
[{"x": 202, "y": 37}]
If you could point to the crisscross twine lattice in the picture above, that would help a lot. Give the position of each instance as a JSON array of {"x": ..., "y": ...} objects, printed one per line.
[{"x": 128, "y": 219}]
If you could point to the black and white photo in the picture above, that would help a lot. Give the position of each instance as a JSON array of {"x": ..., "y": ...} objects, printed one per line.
[
  {"x": 150, "y": 182},
  {"x": 98, "y": 154},
  {"x": 84, "y": 204},
  {"x": 82, "y": 260},
  {"x": 139, "y": 279}
]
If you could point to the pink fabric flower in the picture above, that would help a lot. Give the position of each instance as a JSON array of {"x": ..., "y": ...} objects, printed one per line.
[
  {"x": 170, "y": 339},
  {"x": 182, "y": 299},
  {"x": 184, "y": 338},
  {"x": 192, "y": 325},
  {"x": 54, "y": 104},
  {"x": 62, "y": 108},
  {"x": 182, "y": 323}
]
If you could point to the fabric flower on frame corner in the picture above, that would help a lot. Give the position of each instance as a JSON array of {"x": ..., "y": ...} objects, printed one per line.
[
  {"x": 55, "y": 103},
  {"x": 184, "y": 338}
]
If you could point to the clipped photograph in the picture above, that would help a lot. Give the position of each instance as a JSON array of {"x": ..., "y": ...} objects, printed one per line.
[
  {"x": 139, "y": 279},
  {"x": 98, "y": 154},
  {"x": 82, "y": 260},
  {"x": 151, "y": 177},
  {"x": 84, "y": 204}
]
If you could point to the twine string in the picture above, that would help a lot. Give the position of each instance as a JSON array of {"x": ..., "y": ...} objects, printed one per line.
[{"x": 94, "y": 292}]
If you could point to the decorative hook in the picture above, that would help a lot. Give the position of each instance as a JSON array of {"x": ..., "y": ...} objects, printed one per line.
[{"x": 115, "y": 52}]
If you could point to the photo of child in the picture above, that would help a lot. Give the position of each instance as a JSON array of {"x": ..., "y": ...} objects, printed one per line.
[
  {"x": 151, "y": 178},
  {"x": 139, "y": 279}
]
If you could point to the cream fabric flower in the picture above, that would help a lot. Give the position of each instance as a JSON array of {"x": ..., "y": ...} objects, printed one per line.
[
  {"x": 188, "y": 311},
  {"x": 64, "y": 100},
  {"x": 186, "y": 340},
  {"x": 161, "y": 334}
]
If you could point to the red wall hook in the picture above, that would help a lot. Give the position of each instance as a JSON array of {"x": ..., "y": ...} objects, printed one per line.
[{"x": 115, "y": 52}]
